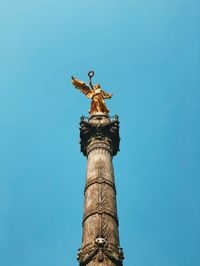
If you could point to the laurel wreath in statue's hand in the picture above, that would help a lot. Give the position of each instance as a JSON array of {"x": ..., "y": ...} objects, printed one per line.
[{"x": 91, "y": 73}]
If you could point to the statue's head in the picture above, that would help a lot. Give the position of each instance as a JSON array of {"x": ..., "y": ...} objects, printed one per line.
[{"x": 97, "y": 86}]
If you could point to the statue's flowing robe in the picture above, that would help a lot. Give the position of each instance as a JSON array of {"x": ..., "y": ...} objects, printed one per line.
[{"x": 98, "y": 104}]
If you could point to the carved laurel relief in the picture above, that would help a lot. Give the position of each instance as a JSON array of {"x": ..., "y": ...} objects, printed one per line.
[{"x": 101, "y": 229}]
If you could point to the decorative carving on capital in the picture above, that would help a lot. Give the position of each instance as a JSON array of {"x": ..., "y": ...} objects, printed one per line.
[{"x": 99, "y": 135}]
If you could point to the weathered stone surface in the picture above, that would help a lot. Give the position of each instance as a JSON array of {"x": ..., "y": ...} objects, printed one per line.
[{"x": 100, "y": 241}]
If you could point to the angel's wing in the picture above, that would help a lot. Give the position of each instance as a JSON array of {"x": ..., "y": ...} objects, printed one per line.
[
  {"x": 106, "y": 95},
  {"x": 83, "y": 87}
]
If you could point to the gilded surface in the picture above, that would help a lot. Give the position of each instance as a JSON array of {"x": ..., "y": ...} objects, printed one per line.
[{"x": 95, "y": 93}]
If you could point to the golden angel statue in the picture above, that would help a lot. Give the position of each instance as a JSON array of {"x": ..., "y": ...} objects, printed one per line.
[{"x": 93, "y": 92}]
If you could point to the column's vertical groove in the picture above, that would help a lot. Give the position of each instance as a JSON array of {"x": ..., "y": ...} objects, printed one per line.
[{"x": 100, "y": 239}]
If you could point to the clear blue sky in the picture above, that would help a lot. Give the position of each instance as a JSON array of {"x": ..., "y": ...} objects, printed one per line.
[{"x": 147, "y": 53}]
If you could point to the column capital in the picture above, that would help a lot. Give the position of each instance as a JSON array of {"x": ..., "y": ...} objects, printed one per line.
[{"x": 99, "y": 131}]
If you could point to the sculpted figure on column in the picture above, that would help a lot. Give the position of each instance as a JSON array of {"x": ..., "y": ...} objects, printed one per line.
[{"x": 96, "y": 93}]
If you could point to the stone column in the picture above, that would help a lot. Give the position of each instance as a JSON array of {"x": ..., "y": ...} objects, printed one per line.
[{"x": 100, "y": 241}]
